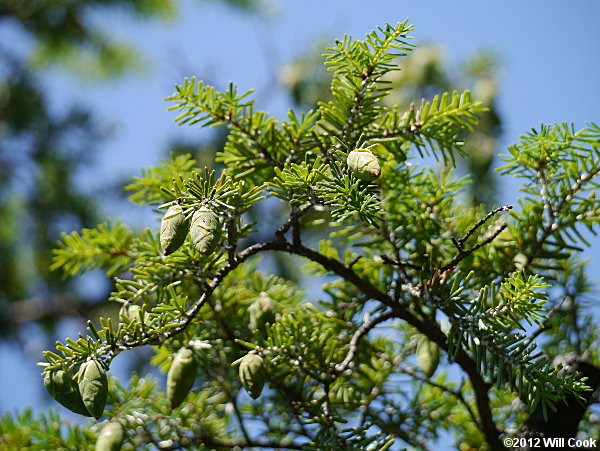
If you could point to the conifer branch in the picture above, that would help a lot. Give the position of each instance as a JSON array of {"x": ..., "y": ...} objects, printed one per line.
[
  {"x": 431, "y": 330},
  {"x": 212, "y": 441},
  {"x": 264, "y": 154},
  {"x": 210, "y": 288},
  {"x": 360, "y": 332},
  {"x": 464, "y": 253},
  {"x": 460, "y": 243}
]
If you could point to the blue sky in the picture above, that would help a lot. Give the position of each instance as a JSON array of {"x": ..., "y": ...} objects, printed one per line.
[{"x": 550, "y": 53}]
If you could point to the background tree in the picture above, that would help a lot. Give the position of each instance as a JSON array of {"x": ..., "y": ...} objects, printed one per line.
[
  {"x": 49, "y": 149},
  {"x": 451, "y": 284}
]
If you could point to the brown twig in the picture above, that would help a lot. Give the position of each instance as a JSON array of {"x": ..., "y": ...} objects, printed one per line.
[
  {"x": 360, "y": 332},
  {"x": 459, "y": 243},
  {"x": 399, "y": 263},
  {"x": 292, "y": 220},
  {"x": 462, "y": 254}
]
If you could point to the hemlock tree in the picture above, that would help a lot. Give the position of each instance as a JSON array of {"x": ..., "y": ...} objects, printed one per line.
[{"x": 429, "y": 310}]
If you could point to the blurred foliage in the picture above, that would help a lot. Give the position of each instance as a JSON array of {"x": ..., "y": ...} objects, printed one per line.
[
  {"x": 43, "y": 151},
  {"x": 40, "y": 152},
  {"x": 67, "y": 33}
]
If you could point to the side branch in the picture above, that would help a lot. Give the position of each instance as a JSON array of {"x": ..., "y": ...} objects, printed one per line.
[
  {"x": 360, "y": 332},
  {"x": 212, "y": 441},
  {"x": 459, "y": 243},
  {"x": 552, "y": 226},
  {"x": 210, "y": 288},
  {"x": 480, "y": 386},
  {"x": 294, "y": 217},
  {"x": 264, "y": 152},
  {"x": 462, "y": 254},
  {"x": 424, "y": 326}
]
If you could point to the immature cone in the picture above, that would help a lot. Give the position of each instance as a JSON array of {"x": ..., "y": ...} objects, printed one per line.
[
  {"x": 64, "y": 389},
  {"x": 181, "y": 376},
  {"x": 252, "y": 374},
  {"x": 93, "y": 386},
  {"x": 261, "y": 311},
  {"x": 205, "y": 230},
  {"x": 173, "y": 229},
  {"x": 363, "y": 164},
  {"x": 131, "y": 312},
  {"x": 110, "y": 438},
  {"x": 428, "y": 356}
]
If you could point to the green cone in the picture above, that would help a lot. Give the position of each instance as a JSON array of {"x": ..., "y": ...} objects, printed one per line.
[
  {"x": 93, "y": 386},
  {"x": 363, "y": 164},
  {"x": 428, "y": 356},
  {"x": 181, "y": 376},
  {"x": 205, "y": 230},
  {"x": 64, "y": 389},
  {"x": 252, "y": 374},
  {"x": 110, "y": 437},
  {"x": 173, "y": 229}
]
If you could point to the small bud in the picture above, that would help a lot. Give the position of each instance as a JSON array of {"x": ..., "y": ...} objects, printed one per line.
[
  {"x": 93, "y": 386},
  {"x": 173, "y": 229},
  {"x": 110, "y": 437},
  {"x": 363, "y": 164},
  {"x": 205, "y": 230},
  {"x": 520, "y": 261},
  {"x": 428, "y": 356},
  {"x": 181, "y": 376},
  {"x": 64, "y": 389},
  {"x": 252, "y": 374}
]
